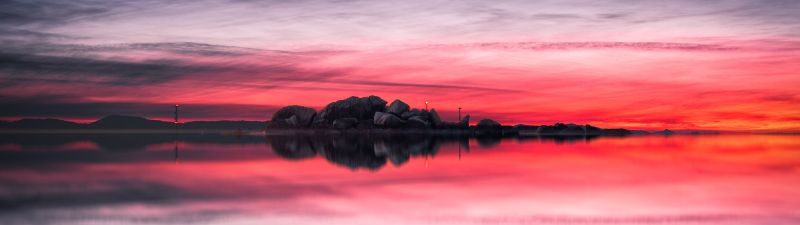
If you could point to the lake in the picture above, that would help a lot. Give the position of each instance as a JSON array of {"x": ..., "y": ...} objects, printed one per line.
[{"x": 411, "y": 179}]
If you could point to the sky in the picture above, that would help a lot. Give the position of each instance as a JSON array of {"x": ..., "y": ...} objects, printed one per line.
[{"x": 701, "y": 65}]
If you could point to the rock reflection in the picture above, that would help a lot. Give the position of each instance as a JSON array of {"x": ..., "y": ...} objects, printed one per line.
[
  {"x": 359, "y": 151},
  {"x": 370, "y": 151}
]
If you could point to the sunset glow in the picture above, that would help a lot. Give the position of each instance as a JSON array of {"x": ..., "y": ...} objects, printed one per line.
[{"x": 699, "y": 65}]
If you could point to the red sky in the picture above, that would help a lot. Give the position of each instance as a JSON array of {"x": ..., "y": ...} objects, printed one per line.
[{"x": 729, "y": 65}]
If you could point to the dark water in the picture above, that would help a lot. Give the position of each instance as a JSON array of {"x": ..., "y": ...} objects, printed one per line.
[{"x": 390, "y": 179}]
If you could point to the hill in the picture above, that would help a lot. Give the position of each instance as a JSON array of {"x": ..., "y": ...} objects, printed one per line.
[{"x": 121, "y": 122}]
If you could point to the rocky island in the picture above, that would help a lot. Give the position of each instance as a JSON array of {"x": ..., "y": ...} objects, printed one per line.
[{"x": 373, "y": 113}]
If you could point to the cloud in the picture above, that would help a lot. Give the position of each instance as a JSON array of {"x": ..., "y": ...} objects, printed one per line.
[
  {"x": 543, "y": 46},
  {"x": 114, "y": 72},
  {"x": 50, "y": 13}
]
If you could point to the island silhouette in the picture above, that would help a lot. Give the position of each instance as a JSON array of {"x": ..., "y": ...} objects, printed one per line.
[
  {"x": 373, "y": 113},
  {"x": 353, "y": 114}
]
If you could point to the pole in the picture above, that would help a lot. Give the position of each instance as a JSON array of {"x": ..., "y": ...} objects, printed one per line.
[
  {"x": 459, "y": 113},
  {"x": 176, "y": 113},
  {"x": 176, "y": 133},
  {"x": 426, "y": 105}
]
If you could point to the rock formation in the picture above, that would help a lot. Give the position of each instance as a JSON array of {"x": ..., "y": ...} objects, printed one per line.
[
  {"x": 398, "y": 107},
  {"x": 418, "y": 122},
  {"x": 345, "y": 123},
  {"x": 488, "y": 124},
  {"x": 434, "y": 118},
  {"x": 388, "y": 120},
  {"x": 371, "y": 112},
  {"x": 352, "y": 107},
  {"x": 464, "y": 123},
  {"x": 293, "y": 116}
]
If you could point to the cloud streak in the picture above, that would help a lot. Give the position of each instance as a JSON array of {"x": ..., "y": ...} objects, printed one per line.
[{"x": 541, "y": 46}]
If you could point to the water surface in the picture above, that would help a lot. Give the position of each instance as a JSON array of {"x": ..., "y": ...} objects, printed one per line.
[{"x": 218, "y": 179}]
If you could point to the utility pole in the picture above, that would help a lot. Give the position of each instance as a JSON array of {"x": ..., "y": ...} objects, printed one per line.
[
  {"x": 459, "y": 113},
  {"x": 176, "y": 113},
  {"x": 175, "y": 141}
]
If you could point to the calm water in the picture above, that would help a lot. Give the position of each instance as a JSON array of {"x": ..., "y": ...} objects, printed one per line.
[{"x": 213, "y": 179}]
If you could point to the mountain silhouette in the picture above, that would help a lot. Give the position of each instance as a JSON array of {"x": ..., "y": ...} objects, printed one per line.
[
  {"x": 40, "y": 124},
  {"x": 128, "y": 122}
]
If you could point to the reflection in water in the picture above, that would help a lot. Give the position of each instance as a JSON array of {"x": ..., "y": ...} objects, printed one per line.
[
  {"x": 358, "y": 151},
  {"x": 352, "y": 150},
  {"x": 344, "y": 179}
]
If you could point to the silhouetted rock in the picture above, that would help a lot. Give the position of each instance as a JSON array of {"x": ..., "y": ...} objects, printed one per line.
[
  {"x": 365, "y": 124},
  {"x": 417, "y": 122},
  {"x": 665, "y": 132},
  {"x": 398, "y": 107},
  {"x": 387, "y": 120},
  {"x": 293, "y": 116},
  {"x": 464, "y": 123},
  {"x": 523, "y": 127},
  {"x": 355, "y": 107},
  {"x": 572, "y": 129},
  {"x": 291, "y": 122},
  {"x": 319, "y": 123},
  {"x": 435, "y": 120},
  {"x": 488, "y": 124},
  {"x": 412, "y": 113},
  {"x": 616, "y": 132},
  {"x": 560, "y": 129},
  {"x": 345, "y": 123}
]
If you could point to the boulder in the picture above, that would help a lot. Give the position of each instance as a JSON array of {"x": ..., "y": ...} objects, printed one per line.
[
  {"x": 434, "y": 118},
  {"x": 352, "y": 107},
  {"x": 412, "y": 113},
  {"x": 345, "y": 123},
  {"x": 488, "y": 124},
  {"x": 365, "y": 124},
  {"x": 398, "y": 107},
  {"x": 388, "y": 120},
  {"x": 319, "y": 123},
  {"x": 417, "y": 122},
  {"x": 293, "y": 116},
  {"x": 292, "y": 121}
]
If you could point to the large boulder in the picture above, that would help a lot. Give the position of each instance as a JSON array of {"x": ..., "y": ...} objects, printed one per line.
[
  {"x": 352, "y": 107},
  {"x": 398, "y": 107},
  {"x": 365, "y": 124},
  {"x": 418, "y": 122},
  {"x": 387, "y": 120},
  {"x": 488, "y": 124},
  {"x": 293, "y": 116},
  {"x": 412, "y": 113},
  {"x": 345, "y": 123}
]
